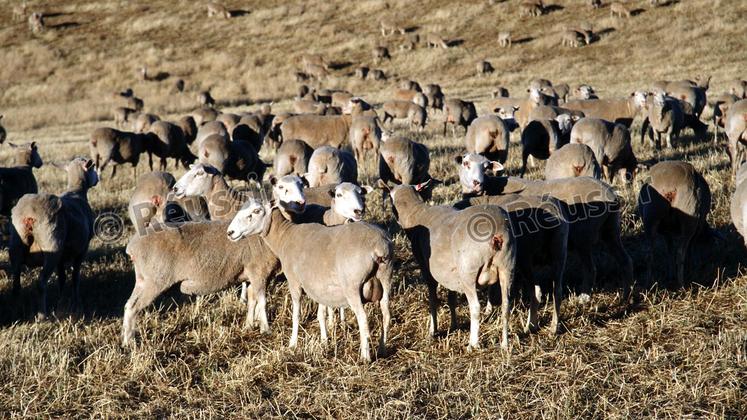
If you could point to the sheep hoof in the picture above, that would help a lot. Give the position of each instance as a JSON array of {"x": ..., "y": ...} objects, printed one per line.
[
  {"x": 531, "y": 328},
  {"x": 473, "y": 347},
  {"x": 584, "y": 298},
  {"x": 41, "y": 317}
]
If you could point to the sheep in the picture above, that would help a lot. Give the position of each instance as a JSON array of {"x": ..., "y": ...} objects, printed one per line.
[
  {"x": 675, "y": 204},
  {"x": 150, "y": 205},
  {"x": 365, "y": 134},
  {"x": 499, "y": 92},
  {"x": 617, "y": 9},
  {"x": 347, "y": 204},
  {"x": 168, "y": 141},
  {"x": 135, "y": 103},
  {"x": 504, "y": 39},
  {"x": 458, "y": 112},
  {"x": 687, "y": 91},
  {"x": 230, "y": 121},
  {"x": 317, "y": 130},
  {"x": 189, "y": 129},
  {"x": 237, "y": 160},
  {"x": 209, "y": 129},
  {"x": 3, "y": 133},
  {"x": 19, "y": 180},
  {"x": 202, "y": 260},
  {"x": 329, "y": 165},
  {"x": 403, "y": 161},
  {"x": 292, "y": 157},
  {"x": 484, "y": 67},
  {"x": 738, "y": 88},
  {"x": 622, "y": 111},
  {"x": 54, "y": 232},
  {"x": 409, "y": 85},
  {"x": 36, "y": 22},
  {"x": 584, "y": 92},
  {"x": 204, "y": 115},
  {"x": 143, "y": 121},
  {"x": 736, "y": 130},
  {"x": 389, "y": 27},
  {"x": 413, "y": 112},
  {"x": 410, "y": 42},
  {"x": 19, "y": 12},
  {"x": 380, "y": 53},
  {"x": 179, "y": 85},
  {"x": 435, "y": 41},
  {"x": 572, "y": 160},
  {"x": 593, "y": 209},
  {"x": 341, "y": 99},
  {"x": 459, "y": 249},
  {"x": 595, "y": 4},
  {"x": 665, "y": 116},
  {"x": 434, "y": 95},
  {"x": 541, "y": 138},
  {"x": 538, "y": 223},
  {"x": 488, "y": 136},
  {"x": 317, "y": 71},
  {"x": 611, "y": 145},
  {"x": 309, "y": 106},
  {"x": 738, "y": 207},
  {"x": 201, "y": 180},
  {"x": 205, "y": 99},
  {"x": 122, "y": 115},
  {"x": 355, "y": 264},
  {"x": 411, "y": 95},
  {"x": 572, "y": 38},
  {"x": 531, "y": 8},
  {"x": 361, "y": 72},
  {"x": 217, "y": 9},
  {"x": 376, "y": 74},
  {"x": 313, "y": 59},
  {"x": 118, "y": 147}
]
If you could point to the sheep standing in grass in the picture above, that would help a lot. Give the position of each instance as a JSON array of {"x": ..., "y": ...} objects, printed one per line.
[
  {"x": 365, "y": 136},
  {"x": 118, "y": 147},
  {"x": 572, "y": 160},
  {"x": 531, "y": 8},
  {"x": 458, "y": 112},
  {"x": 353, "y": 267},
  {"x": 504, "y": 39},
  {"x": 488, "y": 136},
  {"x": 675, "y": 204},
  {"x": 380, "y": 53},
  {"x": 135, "y": 103},
  {"x": 329, "y": 165},
  {"x": 666, "y": 117},
  {"x": 19, "y": 180},
  {"x": 217, "y": 9},
  {"x": 736, "y": 131},
  {"x": 54, "y": 232},
  {"x": 36, "y": 22},
  {"x": 402, "y": 161},
  {"x": 317, "y": 130},
  {"x": 622, "y": 110},
  {"x": 618, "y": 9},
  {"x": 461, "y": 250},
  {"x": 167, "y": 140},
  {"x": 292, "y": 158},
  {"x": 611, "y": 145},
  {"x": 541, "y": 138},
  {"x": 435, "y": 41},
  {"x": 122, "y": 115},
  {"x": 434, "y": 95},
  {"x": 413, "y": 112},
  {"x": 572, "y": 38}
]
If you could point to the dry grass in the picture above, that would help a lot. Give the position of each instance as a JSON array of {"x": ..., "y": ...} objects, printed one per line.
[{"x": 671, "y": 354}]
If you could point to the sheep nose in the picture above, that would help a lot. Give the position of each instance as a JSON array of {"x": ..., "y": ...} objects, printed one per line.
[
  {"x": 229, "y": 233},
  {"x": 358, "y": 212},
  {"x": 476, "y": 183},
  {"x": 173, "y": 188}
]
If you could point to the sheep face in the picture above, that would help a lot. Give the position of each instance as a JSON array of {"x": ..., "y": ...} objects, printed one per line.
[
  {"x": 585, "y": 92},
  {"x": 565, "y": 122},
  {"x": 196, "y": 182},
  {"x": 28, "y": 154},
  {"x": 82, "y": 171},
  {"x": 472, "y": 169},
  {"x": 348, "y": 200},
  {"x": 288, "y": 192},
  {"x": 252, "y": 219},
  {"x": 639, "y": 98}
]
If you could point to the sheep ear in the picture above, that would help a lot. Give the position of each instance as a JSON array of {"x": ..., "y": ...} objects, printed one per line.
[
  {"x": 495, "y": 166},
  {"x": 331, "y": 193},
  {"x": 89, "y": 164},
  {"x": 458, "y": 159},
  {"x": 422, "y": 185},
  {"x": 304, "y": 181},
  {"x": 366, "y": 189},
  {"x": 206, "y": 154},
  {"x": 33, "y": 145}
]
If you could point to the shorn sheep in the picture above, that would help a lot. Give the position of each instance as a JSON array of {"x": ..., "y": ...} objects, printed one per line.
[
  {"x": 54, "y": 232},
  {"x": 461, "y": 250},
  {"x": 353, "y": 267},
  {"x": 19, "y": 180}
]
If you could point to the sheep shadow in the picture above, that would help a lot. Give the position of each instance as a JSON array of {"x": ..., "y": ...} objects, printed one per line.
[
  {"x": 553, "y": 8},
  {"x": 56, "y": 14},
  {"x": 636, "y": 12},
  {"x": 411, "y": 29},
  {"x": 238, "y": 13},
  {"x": 454, "y": 43},
  {"x": 161, "y": 76},
  {"x": 64, "y": 25},
  {"x": 603, "y": 32},
  {"x": 668, "y": 3},
  {"x": 339, "y": 65},
  {"x": 524, "y": 40}
]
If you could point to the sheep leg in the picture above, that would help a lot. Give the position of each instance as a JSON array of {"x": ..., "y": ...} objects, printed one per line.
[
  {"x": 524, "y": 157},
  {"x": 452, "y": 300},
  {"x": 142, "y": 295},
  {"x": 163, "y": 164},
  {"x": 506, "y": 277},
  {"x": 360, "y": 314},
  {"x": 650, "y": 230},
  {"x": 295, "y": 292},
  {"x": 150, "y": 161},
  {"x": 616, "y": 248},
  {"x": 76, "y": 282},
  {"x": 61, "y": 276},
  {"x": 386, "y": 316},
  {"x": 474, "y": 318},
  {"x": 46, "y": 272},
  {"x": 682, "y": 247},
  {"x": 532, "y": 324},
  {"x": 321, "y": 313},
  {"x": 251, "y": 305},
  {"x": 590, "y": 268},
  {"x": 432, "y": 304},
  {"x": 114, "y": 171},
  {"x": 261, "y": 309},
  {"x": 242, "y": 297}
]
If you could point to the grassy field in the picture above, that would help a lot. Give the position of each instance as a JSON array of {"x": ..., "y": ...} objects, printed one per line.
[{"x": 668, "y": 354}]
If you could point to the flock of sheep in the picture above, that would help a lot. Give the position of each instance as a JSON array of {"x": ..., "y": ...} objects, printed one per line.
[{"x": 304, "y": 222}]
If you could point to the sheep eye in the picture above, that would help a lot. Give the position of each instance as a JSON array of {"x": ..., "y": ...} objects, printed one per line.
[
  {"x": 256, "y": 211},
  {"x": 280, "y": 187}
]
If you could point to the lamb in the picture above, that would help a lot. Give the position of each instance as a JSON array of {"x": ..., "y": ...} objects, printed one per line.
[
  {"x": 365, "y": 135},
  {"x": 675, "y": 204},
  {"x": 531, "y": 8},
  {"x": 504, "y": 39},
  {"x": 202, "y": 260},
  {"x": 356, "y": 264},
  {"x": 118, "y": 147},
  {"x": 54, "y": 232},
  {"x": 736, "y": 131},
  {"x": 329, "y": 165},
  {"x": 19, "y": 180},
  {"x": 122, "y": 115},
  {"x": 461, "y": 250},
  {"x": 488, "y": 136},
  {"x": 434, "y": 95},
  {"x": 317, "y": 130},
  {"x": 143, "y": 122},
  {"x": 135, "y": 103},
  {"x": 538, "y": 223},
  {"x": 572, "y": 160},
  {"x": 622, "y": 111},
  {"x": 593, "y": 209},
  {"x": 413, "y": 112},
  {"x": 151, "y": 206},
  {"x": 665, "y": 116},
  {"x": 411, "y": 95},
  {"x": 435, "y": 41},
  {"x": 380, "y": 53},
  {"x": 217, "y": 9},
  {"x": 36, "y": 22},
  {"x": 484, "y": 67},
  {"x": 168, "y": 141},
  {"x": 3, "y": 133},
  {"x": 541, "y": 138},
  {"x": 738, "y": 207},
  {"x": 458, "y": 112},
  {"x": 617, "y": 9},
  {"x": 611, "y": 145},
  {"x": 292, "y": 158},
  {"x": 389, "y": 27}
]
